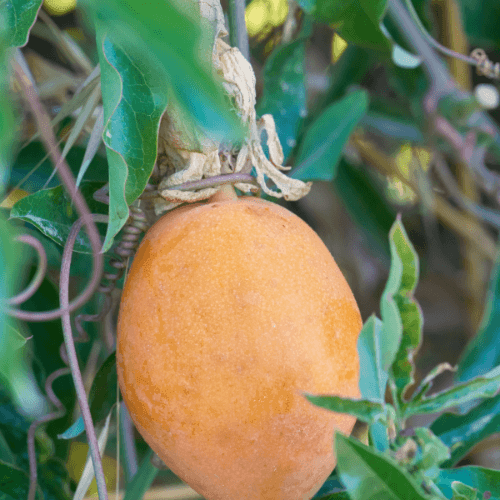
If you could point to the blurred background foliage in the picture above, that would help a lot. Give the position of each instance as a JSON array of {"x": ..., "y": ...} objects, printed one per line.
[{"x": 384, "y": 166}]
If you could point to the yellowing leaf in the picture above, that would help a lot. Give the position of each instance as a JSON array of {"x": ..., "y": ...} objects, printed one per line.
[
  {"x": 338, "y": 47},
  {"x": 59, "y": 7},
  {"x": 76, "y": 462},
  {"x": 13, "y": 197},
  {"x": 262, "y": 15}
]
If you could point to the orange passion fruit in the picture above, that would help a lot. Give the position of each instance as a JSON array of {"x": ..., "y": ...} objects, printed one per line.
[{"x": 232, "y": 310}]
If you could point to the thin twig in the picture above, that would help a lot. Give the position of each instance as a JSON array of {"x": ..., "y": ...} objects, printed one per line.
[
  {"x": 238, "y": 35},
  {"x": 73, "y": 360},
  {"x": 444, "y": 50},
  {"x": 215, "y": 181}
]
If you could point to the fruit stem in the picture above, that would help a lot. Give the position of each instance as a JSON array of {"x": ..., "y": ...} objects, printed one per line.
[{"x": 225, "y": 193}]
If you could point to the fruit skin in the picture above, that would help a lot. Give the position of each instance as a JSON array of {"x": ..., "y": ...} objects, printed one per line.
[{"x": 231, "y": 309}]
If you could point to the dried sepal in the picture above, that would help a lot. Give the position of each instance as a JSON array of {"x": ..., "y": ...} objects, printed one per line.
[{"x": 185, "y": 154}]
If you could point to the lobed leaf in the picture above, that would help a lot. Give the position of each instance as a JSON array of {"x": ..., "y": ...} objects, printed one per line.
[
  {"x": 369, "y": 474},
  {"x": 320, "y": 150}
]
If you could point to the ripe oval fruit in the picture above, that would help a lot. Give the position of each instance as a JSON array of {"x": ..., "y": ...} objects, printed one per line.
[{"x": 231, "y": 310}]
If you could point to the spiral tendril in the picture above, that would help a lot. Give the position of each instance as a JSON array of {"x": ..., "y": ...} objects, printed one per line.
[{"x": 485, "y": 66}]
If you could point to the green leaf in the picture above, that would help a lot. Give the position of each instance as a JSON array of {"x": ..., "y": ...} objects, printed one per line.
[
  {"x": 74, "y": 430},
  {"x": 332, "y": 486},
  {"x": 321, "y": 148},
  {"x": 373, "y": 377},
  {"x": 32, "y": 168},
  {"x": 53, "y": 213},
  {"x": 358, "y": 21},
  {"x": 484, "y": 480},
  {"x": 20, "y": 16},
  {"x": 401, "y": 315},
  {"x": 462, "y": 432},
  {"x": 360, "y": 192},
  {"x": 462, "y": 492},
  {"x": 480, "y": 21},
  {"x": 15, "y": 370},
  {"x": 339, "y": 495},
  {"x": 142, "y": 480},
  {"x": 284, "y": 94},
  {"x": 133, "y": 106},
  {"x": 7, "y": 120},
  {"x": 364, "y": 410},
  {"x": 103, "y": 393},
  {"x": 397, "y": 128},
  {"x": 6, "y": 454},
  {"x": 427, "y": 382},
  {"x": 433, "y": 453},
  {"x": 485, "y": 386},
  {"x": 102, "y": 397},
  {"x": 14, "y": 483},
  {"x": 368, "y": 474},
  {"x": 483, "y": 351},
  {"x": 172, "y": 45}
]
